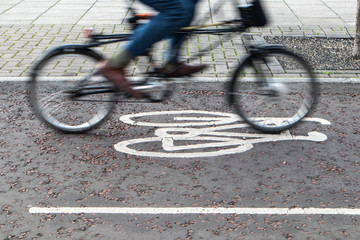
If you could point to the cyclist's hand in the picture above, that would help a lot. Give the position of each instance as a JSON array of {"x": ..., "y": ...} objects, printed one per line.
[{"x": 87, "y": 32}]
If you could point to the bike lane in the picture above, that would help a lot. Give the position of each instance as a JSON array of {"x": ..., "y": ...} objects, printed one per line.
[{"x": 280, "y": 178}]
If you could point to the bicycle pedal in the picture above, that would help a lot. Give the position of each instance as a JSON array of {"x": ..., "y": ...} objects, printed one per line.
[
  {"x": 73, "y": 91},
  {"x": 156, "y": 74}
]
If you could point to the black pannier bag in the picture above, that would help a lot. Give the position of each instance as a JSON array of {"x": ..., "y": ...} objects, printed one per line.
[{"x": 253, "y": 14}]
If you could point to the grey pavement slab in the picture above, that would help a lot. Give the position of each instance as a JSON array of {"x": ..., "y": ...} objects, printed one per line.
[{"x": 281, "y": 12}]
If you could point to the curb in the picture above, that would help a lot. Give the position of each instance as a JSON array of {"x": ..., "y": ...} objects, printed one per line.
[{"x": 204, "y": 80}]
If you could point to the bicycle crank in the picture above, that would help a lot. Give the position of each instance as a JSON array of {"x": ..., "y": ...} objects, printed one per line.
[{"x": 155, "y": 89}]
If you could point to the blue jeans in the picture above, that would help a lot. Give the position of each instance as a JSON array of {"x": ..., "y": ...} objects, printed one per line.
[{"x": 173, "y": 15}]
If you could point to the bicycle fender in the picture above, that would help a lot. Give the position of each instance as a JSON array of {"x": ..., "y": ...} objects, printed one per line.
[
  {"x": 71, "y": 48},
  {"x": 260, "y": 49},
  {"x": 245, "y": 61},
  {"x": 66, "y": 49},
  {"x": 272, "y": 47}
]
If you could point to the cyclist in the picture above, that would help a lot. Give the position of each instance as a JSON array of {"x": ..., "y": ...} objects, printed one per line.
[{"x": 172, "y": 15}]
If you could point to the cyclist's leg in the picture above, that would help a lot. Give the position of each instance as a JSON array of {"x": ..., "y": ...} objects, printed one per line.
[
  {"x": 176, "y": 40},
  {"x": 174, "y": 68},
  {"x": 173, "y": 14}
]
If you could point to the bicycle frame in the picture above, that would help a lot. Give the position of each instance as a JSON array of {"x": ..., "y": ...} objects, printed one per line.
[
  {"x": 102, "y": 39},
  {"x": 254, "y": 98},
  {"x": 238, "y": 25},
  {"x": 251, "y": 15}
]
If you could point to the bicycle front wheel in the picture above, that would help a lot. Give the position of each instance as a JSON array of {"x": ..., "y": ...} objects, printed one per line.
[
  {"x": 67, "y": 94},
  {"x": 273, "y": 90}
]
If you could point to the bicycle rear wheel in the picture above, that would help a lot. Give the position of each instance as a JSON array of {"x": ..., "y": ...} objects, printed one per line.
[
  {"x": 273, "y": 90},
  {"x": 67, "y": 94}
]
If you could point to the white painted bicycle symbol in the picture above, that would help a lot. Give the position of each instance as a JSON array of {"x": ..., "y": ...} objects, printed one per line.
[{"x": 190, "y": 133}]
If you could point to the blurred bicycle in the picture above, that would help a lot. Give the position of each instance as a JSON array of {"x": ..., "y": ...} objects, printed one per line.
[{"x": 272, "y": 88}]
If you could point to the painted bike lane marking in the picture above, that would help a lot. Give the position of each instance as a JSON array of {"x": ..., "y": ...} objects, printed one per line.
[
  {"x": 189, "y": 125},
  {"x": 193, "y": 126}
]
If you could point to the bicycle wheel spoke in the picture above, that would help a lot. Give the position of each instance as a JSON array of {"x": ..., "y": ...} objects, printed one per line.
[
  {"x": 53, "y": 109},
  {"x": 273, "y": 103},
  {"x": 68, "y": 94},
  {"x": 46, "y": 101}
]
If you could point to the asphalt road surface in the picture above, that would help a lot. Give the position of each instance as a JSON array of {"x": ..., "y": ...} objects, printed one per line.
[{"x": 122, "y": 181}]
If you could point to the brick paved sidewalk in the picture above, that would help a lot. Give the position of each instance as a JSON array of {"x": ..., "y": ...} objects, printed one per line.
[
  {"x": 23, "y": 42},
  {"x": 21, "y": 45}
]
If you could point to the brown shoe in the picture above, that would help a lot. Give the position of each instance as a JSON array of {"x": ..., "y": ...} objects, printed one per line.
[
  {"x": 117, "y": 76},
  {"x": 183, "y": 70}
]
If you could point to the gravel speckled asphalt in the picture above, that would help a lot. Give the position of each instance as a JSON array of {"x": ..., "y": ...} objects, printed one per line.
[
  {"x": 44, "y": 168},
  {"x": 322, "y": 53},
  {"x": 40, "y": 167}
]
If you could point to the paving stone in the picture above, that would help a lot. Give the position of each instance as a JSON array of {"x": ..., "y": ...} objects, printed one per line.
[{"x": 25, "y": 36}]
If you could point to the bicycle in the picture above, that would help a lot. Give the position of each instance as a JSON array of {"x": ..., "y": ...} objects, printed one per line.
[{"x": 68, "y": 94}]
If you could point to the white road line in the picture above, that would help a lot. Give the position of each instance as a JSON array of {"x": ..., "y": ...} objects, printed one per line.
[{"x": 195, "y": 210}]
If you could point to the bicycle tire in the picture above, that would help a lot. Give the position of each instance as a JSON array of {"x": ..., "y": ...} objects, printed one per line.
[
  {"x": 273, "y": 89},
  {"x": 54, "y": 80}
]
